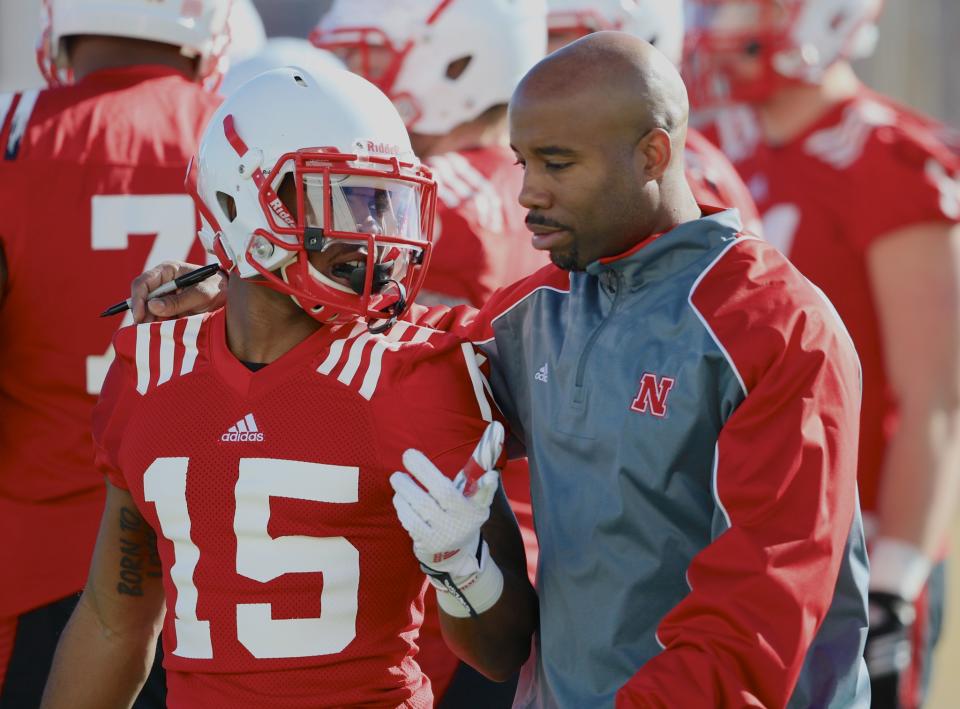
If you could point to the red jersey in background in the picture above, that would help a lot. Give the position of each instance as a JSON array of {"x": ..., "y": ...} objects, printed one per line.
[
  {"x": 714, "y": 180},
  {"x": 865, "y": 169},
  {"x": 91, "y": 193},
  {"x": 482, "y": 242}
]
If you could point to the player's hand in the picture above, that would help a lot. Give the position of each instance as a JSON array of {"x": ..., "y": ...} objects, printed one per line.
[
  {"x": 444, "y": 524},
  {"x": 207, "y": 295},
  {"x": 889, "y": 647}
]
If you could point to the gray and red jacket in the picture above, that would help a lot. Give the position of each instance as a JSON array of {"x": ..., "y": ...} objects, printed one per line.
[{"x": 690, "y": 411}]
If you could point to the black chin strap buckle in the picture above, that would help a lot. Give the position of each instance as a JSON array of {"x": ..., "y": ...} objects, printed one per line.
[{"x": 393, "y": 312}]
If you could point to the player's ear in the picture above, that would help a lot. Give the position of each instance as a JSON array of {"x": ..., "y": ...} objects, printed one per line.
[{"x": 652, "y": 154}]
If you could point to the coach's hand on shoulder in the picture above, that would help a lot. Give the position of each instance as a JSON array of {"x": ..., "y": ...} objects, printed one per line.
[
  {"x": 444, "y": 517},
  {"x": 209, "y": 294}
]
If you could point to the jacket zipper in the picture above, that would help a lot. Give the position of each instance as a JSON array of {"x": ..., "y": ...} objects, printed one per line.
[{"x": 578, "y": 391}]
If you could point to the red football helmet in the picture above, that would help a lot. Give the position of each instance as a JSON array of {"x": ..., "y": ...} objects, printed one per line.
[{"x": 741, "y": 51}]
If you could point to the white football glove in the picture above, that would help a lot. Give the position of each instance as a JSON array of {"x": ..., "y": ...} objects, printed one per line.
[{"x": 444, "y": 517}]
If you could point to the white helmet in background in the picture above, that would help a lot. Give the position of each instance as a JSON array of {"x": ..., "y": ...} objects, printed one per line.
[
  {"x": 198, "y": 27},
  {"x": 308, "y": 182},
  {"x": 659, "y": 22},
  {"x": 247, "y": 34},
  {"x": 279, "y": 52},
  {"x": 442, "y": 62},
  {"x": 790, "y": 41}
]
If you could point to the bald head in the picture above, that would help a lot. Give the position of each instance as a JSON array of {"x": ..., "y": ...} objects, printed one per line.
[
  {"x": 599, "y": 128},
  {"x": 615, "y": 72}
]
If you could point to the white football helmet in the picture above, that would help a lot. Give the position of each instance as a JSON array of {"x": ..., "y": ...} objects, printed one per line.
[
  {"x": 198, "y": 27},
  {"x": 308, "y": 182},
  {"x": 279, "y": 52},
  {"x": 247, "y": 34},
  {"x": 659, "y": 22},
  {"x": 794, "y": 41},
  {"x": 444, "y": 62}
]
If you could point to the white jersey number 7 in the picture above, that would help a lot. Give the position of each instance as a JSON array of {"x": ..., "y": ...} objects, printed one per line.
[{"x": 113, "y": 219}]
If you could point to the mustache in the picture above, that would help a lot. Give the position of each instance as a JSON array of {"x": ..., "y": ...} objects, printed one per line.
[{"x": 536, "y": 219}]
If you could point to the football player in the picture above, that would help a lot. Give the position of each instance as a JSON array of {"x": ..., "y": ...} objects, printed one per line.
[
  {"x": 91, "y": 190},
  {"x": 450, "y": 67},
  {"x": 711, "y": 176},
  {"x": 248, "y": 451},
  {"x": 863, "y": 196}
]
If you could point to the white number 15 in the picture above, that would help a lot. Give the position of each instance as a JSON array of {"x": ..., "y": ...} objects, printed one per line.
[{"x": 264, "y": 558}]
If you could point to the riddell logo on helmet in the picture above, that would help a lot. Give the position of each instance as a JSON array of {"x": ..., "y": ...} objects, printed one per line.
[
  {"x": 382, "y": 148},
  {"x": 243, "y": 431},
  {"x": 372, "y": 146}
]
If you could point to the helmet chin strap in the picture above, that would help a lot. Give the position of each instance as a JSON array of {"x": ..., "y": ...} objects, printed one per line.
[
  {"x": 356, "y": 280},
  {"x": 393, "y": 312}
]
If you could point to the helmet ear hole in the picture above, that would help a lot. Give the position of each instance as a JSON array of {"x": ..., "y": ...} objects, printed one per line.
[
  {"x": 456, "y": 68},
  {"x": 228, "y": 205}
]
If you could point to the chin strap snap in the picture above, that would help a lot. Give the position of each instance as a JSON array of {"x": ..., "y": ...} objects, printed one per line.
[{"x": 393, "y": 311}]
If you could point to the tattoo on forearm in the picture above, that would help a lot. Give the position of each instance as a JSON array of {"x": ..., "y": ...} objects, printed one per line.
[{"x": 138, "y": 553}]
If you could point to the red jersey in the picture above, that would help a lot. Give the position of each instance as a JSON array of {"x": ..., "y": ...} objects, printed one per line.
[
  {"x": 482, "y": 241},
  {"x": 714, "y": 180},
  {"x": 866, "y": 168},
  {"x": 91, "y": 193},
  {"x": 288, "y": 577}
]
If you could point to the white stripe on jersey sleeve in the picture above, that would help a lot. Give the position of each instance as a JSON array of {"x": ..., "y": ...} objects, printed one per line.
[
  {"x": 143, "y": 357},
  {"x": 190, "y": 343},
  {"x": 353, "y": 361},
  {"x": 387, "y": 341},
  {"x": 477, "y": 378},
  {"x": 336, "y": 349},
  {"x": 166, "y": 350},
  {"x": 21, "y": 117}
]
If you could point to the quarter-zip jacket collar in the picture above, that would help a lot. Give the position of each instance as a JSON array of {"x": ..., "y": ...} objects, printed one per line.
[{"x": 660, "y": 256}]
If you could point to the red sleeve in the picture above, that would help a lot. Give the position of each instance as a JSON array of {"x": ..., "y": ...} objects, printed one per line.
[
  {"x": 117, "y": 400},
  {"x": 904, "y": 177},
  {"x": 444, "y": 398},
  {"x": 460, "y": 320},
  {"x": 470, "y": 410},
  {"x": 785, "y": 477}
]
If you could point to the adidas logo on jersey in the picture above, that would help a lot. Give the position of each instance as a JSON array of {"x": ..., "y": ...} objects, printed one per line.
[
  {"x": 541, "y": 375},
  {"x": 243, "y": 430}
]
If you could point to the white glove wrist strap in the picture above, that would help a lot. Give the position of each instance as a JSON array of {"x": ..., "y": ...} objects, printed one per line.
[{"x": 481, "y": 591}]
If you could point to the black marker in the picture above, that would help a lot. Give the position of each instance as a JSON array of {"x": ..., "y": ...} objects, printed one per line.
[{"x": 183, "y": 281}]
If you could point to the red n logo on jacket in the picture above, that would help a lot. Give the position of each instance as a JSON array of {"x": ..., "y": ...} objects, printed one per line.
[{"x": 652, "y": 397}]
